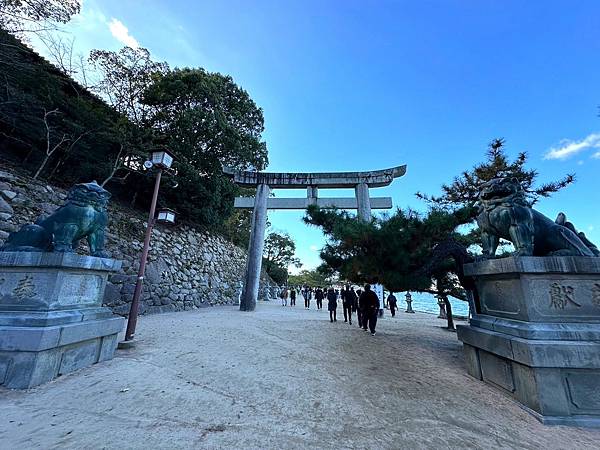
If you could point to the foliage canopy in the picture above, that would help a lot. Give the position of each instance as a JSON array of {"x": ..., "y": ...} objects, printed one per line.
[
  {"x": 311, "y": 278},
  {"x": 18, "y": 16},
  {"x": 278, "y": 255},
  {"x": 391, "y": 251},
  {"x": 207, "y": 121}
]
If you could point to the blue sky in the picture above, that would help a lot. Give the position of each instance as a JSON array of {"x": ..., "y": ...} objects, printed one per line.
[{"x": 359, "y": 85}]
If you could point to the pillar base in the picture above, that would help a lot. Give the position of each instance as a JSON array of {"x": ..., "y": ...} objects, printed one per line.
[{"x": 126, "y": 345}]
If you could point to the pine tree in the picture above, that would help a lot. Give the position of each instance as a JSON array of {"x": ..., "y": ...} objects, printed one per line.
[
  {"x": 412, "y": 252},
  {"x": 464, "y": 189}
]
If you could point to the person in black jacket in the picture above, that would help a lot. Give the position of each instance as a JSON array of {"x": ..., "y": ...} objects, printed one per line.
[
  {"x": 358, "y": 310},
  {"x": 293, "y": 297},
  {"x": 369, "y": 303},
  {"x": 392, "y": 303},
  {"x": 348, "y": 302},
  {"x": 332, "y": 304},
  {"x": 319, "y": 296}
]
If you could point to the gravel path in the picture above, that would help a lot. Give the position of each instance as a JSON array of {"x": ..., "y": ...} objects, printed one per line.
[{"x": 277, "y": 378}]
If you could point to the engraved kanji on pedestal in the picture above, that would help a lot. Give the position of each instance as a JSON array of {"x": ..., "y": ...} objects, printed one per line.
[
  {"x": 562, "y": 295},
  {"x": 25, "y": 288}
]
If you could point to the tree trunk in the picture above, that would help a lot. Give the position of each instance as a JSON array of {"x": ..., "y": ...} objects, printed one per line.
[
  {"x": 44, "y": 162},
  {"x": 49, "y": 152},
  {"x": 115, "y": 167},
  {"x": 472, "y": 307},
  {"x": 449, "y": 313},
  {"x": 109, "y": 177},
  {"x": 59, "y": 163}
]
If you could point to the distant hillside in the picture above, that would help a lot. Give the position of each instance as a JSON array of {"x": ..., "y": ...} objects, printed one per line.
[{"x": 30, "y": 88}]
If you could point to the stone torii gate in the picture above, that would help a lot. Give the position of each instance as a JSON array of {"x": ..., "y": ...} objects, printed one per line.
[{"x": 264, "y": 182}]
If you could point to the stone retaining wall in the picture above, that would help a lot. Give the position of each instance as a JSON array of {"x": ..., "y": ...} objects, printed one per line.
[{"x": 187, "y": 268}]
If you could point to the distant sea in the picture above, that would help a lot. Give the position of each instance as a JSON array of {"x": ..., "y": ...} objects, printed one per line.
[{"x": 423, "y": 302}]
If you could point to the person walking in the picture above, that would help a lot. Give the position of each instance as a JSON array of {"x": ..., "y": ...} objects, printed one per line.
[
  {"x": 332, "y": 304},
  {"x": 392, "y": 303},
  {"x": 354, "y": 300},
  {"x": 284, "y": 296},
  {"x": 306, "y": 294},
  {"x": 292, "y": 297},
  {"x": 348, "y": 304},
  {"x": 359, "y": 312},
  {"x": 319, "y": 296},
  {"x": 369, "y": 302}
]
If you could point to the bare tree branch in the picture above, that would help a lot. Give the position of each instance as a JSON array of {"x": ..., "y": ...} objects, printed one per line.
[
  {"x": 49, "y": 149},
  {"x": 116, "y": 166}
]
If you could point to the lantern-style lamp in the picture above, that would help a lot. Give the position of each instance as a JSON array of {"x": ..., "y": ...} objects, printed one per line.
[
  {"x": 165, "y": 215},
  {"x": 162, "y": 159}
]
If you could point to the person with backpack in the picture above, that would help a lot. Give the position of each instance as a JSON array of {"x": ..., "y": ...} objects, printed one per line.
[{"x": 284, "y": 296}]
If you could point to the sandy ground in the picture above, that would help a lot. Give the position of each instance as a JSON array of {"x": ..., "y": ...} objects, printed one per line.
[{"x": 277, "y": 378}]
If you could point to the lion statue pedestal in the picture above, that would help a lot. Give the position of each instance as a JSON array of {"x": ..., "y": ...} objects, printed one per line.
[
  {"x": 535, "y": 334},
  {"x": 535, "y": 327},
  {"x": 51, "y": 317}
]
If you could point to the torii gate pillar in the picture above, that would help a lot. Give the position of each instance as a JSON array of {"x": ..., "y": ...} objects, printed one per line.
[
  {"x": 255, "y": 249},
  {"x": 363, "y": 202}
]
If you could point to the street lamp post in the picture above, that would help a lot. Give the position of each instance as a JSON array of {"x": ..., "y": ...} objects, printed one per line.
[{"x": 162, "y": 161}]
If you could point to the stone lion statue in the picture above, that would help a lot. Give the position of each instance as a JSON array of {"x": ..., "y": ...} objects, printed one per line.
[
  {"x": 505, "y": 213},
  {"x": 82, "y": 216}
]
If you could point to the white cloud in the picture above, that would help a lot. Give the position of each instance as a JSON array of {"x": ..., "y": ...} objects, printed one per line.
[
  {"x": 568, "y": 148},
  {"x": 596, "y": 155},
  {"x": 121, "y": 33},
  {"x": 314, "y": 248}
]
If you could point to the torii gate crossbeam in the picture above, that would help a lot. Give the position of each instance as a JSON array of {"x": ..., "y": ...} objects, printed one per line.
[{"x": 264, "y": 182}]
